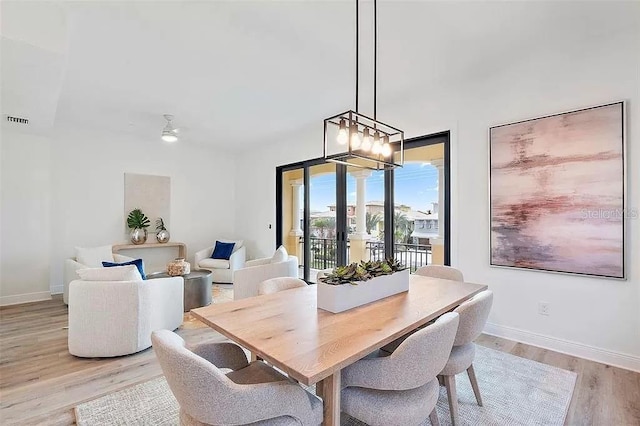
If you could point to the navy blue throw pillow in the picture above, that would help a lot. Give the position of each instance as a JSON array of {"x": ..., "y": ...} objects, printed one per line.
[
  {"x": 222, "y": 250},
  {"x": 137, "y": 262}
]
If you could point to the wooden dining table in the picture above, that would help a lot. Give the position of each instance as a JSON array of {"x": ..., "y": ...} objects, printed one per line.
[{"x": 311, "y": 345}]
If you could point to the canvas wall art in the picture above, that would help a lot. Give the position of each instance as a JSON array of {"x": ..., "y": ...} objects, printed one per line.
[
  {"x": 151, "y": 194},
  {"x": 557, "y": 193}
]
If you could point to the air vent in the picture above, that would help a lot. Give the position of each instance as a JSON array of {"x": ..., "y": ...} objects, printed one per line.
[{"x": 18, "y": 120}]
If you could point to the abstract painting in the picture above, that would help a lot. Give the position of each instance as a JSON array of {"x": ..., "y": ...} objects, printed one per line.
[{"x": 557, "y": 192}]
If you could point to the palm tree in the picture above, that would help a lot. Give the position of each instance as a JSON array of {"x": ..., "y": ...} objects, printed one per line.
[
  {"x": 402, "y": 226},
  {"x": 372, "y": 221},
  {"x": 323, "y": 224}
]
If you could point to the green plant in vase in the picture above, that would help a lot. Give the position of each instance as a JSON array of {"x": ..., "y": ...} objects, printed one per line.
[{"x": 138, "y": 222}]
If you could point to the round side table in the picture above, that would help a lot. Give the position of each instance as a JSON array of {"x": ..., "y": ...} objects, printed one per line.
[{"x": 197, "y": 288}]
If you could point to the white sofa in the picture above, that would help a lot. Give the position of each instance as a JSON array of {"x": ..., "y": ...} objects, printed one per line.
[
  {"x": 113, "y": 318},
  {"x": 222, "y": 270},
  {"x": 246, "y": 280},
  {"x": 71, "y": 267}
]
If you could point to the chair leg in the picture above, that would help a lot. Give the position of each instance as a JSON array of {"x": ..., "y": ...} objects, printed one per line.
[
  {"x": 450, "y": 384},
  {"x": 474, "y": 384},
  {"x": 434, "y": 418}
]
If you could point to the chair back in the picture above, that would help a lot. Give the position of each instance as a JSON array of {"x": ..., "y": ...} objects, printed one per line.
[
  {"x": 424, "y": 354},
  {"x": 473, "y": 316},
  {"x": 275, "y": 285},
  {"x": 440, "y": 271},
  {"x": 199, "y": 386}
]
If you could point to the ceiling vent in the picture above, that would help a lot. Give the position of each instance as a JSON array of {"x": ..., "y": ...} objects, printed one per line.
[{"x": 18, "y": 120}]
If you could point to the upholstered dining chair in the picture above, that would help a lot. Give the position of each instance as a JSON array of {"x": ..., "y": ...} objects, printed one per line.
[
  {"x": 254, "y": 393},
  {"x": 473, "y": 316},
  {"x": 440, "y": 271},
  {"x": 400, "y": 389},
  {"x": 275, "y": 285}
]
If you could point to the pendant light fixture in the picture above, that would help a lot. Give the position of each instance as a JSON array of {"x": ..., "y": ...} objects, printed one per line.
[
  {"x": 169, "y": 133},
  {"x": 354, "y": 139}
]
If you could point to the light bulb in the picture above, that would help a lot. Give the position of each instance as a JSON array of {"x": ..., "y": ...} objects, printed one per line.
[
  {"x": 377, "y": 146},
  {"x": 386, "y": 150},
  {"x": 367, "y": 140},
  {"x": 343, "y": 136},
  {"x": 355, "y": 138}
]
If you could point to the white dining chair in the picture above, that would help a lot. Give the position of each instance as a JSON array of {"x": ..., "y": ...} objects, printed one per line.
[
  {"x": 274, "y": 285},
  {"x": 440, "y": 271},
  {"x": 473, "y": 317}
]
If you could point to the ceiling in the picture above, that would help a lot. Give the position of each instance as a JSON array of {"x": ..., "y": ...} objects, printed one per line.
[{"x": 237, "y": 73}]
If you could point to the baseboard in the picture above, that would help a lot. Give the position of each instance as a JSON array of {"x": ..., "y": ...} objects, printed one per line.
[
  {"x": 25, "y": 298},
  {"x": 59, "y": 289},
  {"x": 592, "y": 353}
]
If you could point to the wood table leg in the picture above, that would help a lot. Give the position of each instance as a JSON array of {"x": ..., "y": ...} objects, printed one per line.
[
  {"x": 319, "y": 386},
  {"x": 331, "y": 399},
  {"x": 254, "y": 357}
]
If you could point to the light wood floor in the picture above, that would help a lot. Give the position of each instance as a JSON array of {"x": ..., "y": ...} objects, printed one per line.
[{"x": 40, "y": 382}]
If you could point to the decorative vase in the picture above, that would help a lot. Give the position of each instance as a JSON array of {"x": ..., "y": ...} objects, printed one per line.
[
  {"x": 178, "y": 267},
  {"x": 162, "y": 236},
  {"x": 139, "y": 235}
]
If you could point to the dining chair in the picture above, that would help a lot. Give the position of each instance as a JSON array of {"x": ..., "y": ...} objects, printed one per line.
[
  {"x": 401, "y": 388},
  {"x": 473, "y": 317},
  {"x": 440, "y": 271},
  {"x": 275, "y": 285},
  {"x": 251, "y": 393}
]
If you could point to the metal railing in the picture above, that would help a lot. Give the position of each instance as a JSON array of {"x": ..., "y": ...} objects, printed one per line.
[
  {"x": 410, "y": 255},
  {"x": 323, "y": 253}
]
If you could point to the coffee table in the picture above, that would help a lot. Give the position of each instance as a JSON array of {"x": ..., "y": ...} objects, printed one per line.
[{"x": 197, "y": 287}]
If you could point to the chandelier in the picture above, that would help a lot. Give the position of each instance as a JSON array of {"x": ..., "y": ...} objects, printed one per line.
[{"x": 354, "y": 139}]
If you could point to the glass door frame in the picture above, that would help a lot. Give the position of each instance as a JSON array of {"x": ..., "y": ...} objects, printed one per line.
[{"x": 341, "y": 202}]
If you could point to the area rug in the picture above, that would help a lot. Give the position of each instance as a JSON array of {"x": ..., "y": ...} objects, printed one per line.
[{"x": 515, "y": 391}]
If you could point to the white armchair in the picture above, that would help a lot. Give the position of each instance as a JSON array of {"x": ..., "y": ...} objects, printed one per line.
[
  {"x": 71, "y": 265},
  {"x": 222, "y": 270},
  {"x": 247, "y": 279},
  {"x": 113, "y": 318}
]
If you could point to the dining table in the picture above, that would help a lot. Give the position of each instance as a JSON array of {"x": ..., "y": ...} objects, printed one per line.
[{"x": 312, "y": 345}]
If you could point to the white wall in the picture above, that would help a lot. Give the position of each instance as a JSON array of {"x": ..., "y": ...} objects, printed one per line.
[
  {"x": 87, "y": 187},
  {"x": 67, "y": 190},
  {"x": 25, "y": 219},
  {"x": 590, "y": 317}
]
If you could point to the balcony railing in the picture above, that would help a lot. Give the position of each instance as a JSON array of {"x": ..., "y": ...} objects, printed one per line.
[
  {"x": 323, "y": 253},
  {"x": 410, "y": 255}
]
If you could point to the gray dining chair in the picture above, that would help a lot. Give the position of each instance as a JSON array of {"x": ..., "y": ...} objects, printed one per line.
[
  {"x": 440, "y": 271},
  {"x": 401, "y": 388},
  {"x": 254, "y": 393},
  {"x": 473, "y": 317},
  {"x": 274, "y": 285}
]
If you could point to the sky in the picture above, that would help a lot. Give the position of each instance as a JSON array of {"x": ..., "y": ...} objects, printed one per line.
[{"x": 416, "y": 185}]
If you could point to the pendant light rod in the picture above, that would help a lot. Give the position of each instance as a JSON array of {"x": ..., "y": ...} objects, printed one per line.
[
  {"x": 375, "y": 59},
  {"x": 357, "y": 50}
]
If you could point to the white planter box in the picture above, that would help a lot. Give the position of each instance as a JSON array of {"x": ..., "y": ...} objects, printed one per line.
[{"x": 338, "y": 298}]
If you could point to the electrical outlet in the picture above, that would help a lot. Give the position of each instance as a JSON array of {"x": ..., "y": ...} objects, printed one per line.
[{"x": 543, "y": 308}]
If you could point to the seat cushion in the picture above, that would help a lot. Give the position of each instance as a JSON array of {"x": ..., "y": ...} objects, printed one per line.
[
  {"x": 460, "y": 359},
  {"x": 378, "y": 407},
  {"x": 256, "y": 372},
  {"x": 214, "y": 263},
  {"x": 94, "y": 256},
  {"x": 117, "y": 273},
  {"x": 280, "y": 255},
  {"x": 137, "y": 262}
]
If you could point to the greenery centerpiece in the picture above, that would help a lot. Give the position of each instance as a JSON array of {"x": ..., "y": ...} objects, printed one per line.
[
  {"x": 138, "y": 222},
  {"x": 367, "y": 282},
  {"x": 363, "y": 271}
]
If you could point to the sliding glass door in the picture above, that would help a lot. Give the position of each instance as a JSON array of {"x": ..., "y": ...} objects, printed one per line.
[{"x": 330, "y": 214}]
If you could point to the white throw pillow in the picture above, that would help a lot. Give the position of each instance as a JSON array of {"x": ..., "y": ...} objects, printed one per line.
[
  {"x": 94, "y": 256},
  {"x": 113, "y": 273},
  {"x": 280, "y": 255}
]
